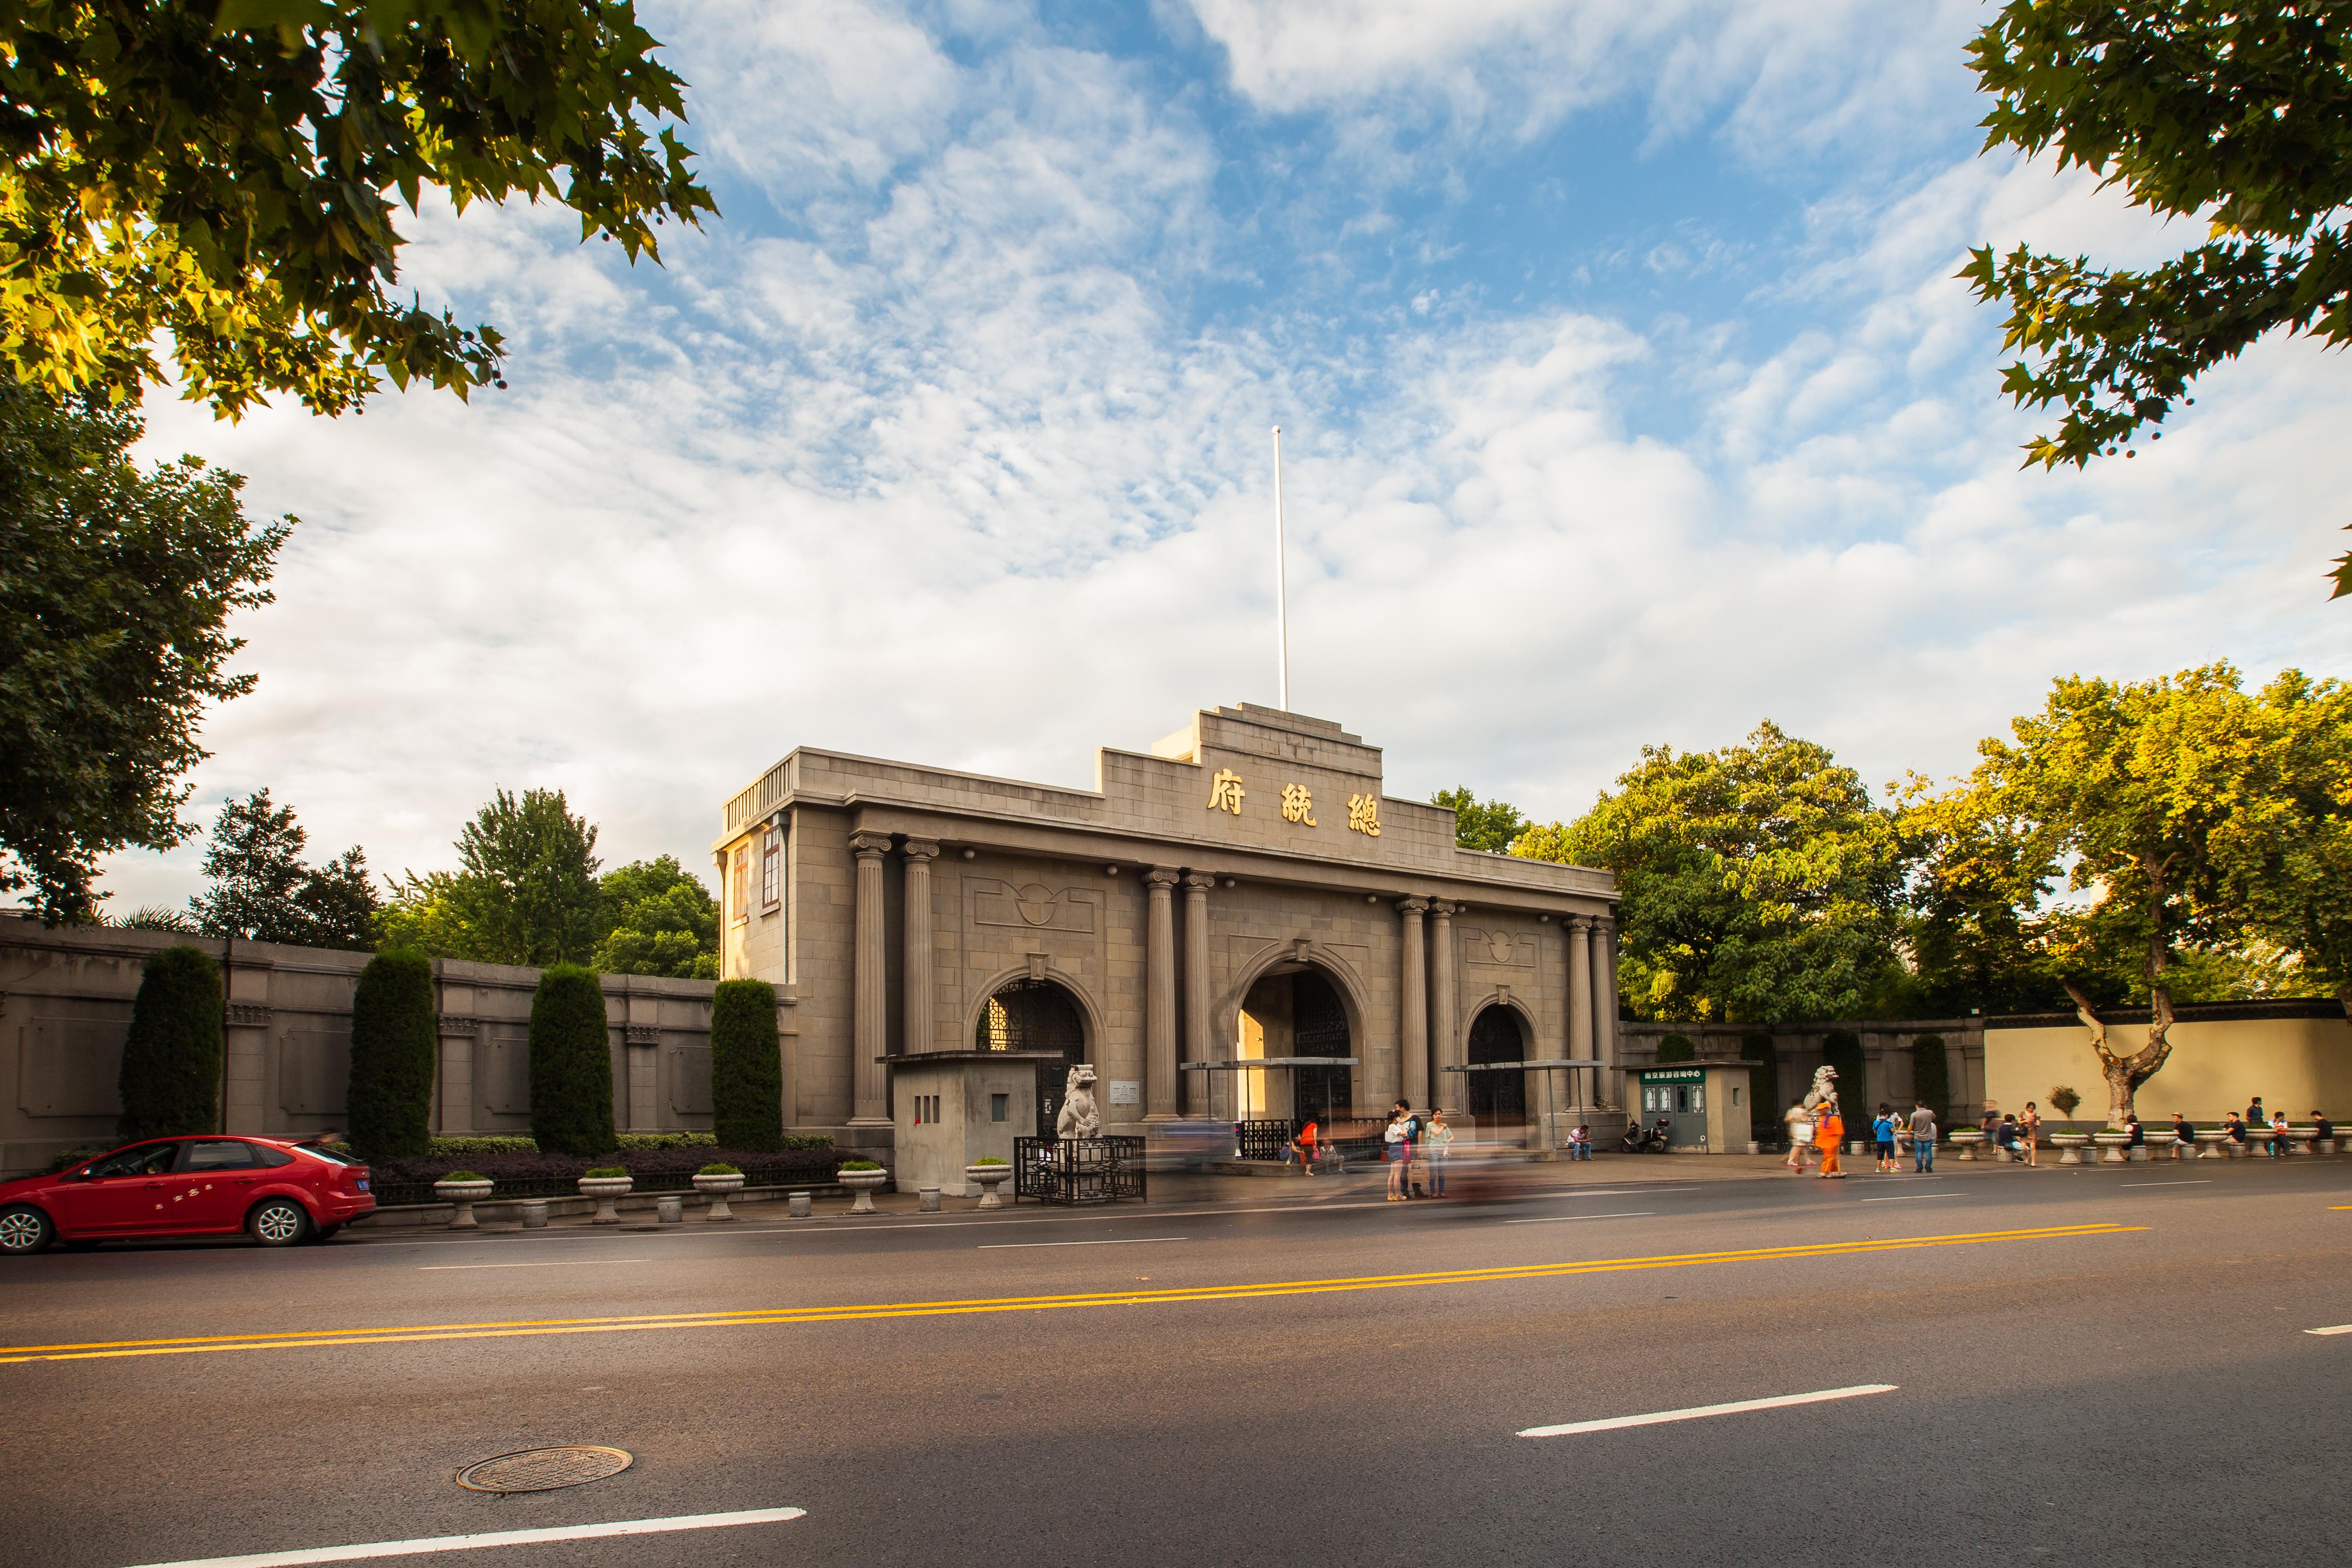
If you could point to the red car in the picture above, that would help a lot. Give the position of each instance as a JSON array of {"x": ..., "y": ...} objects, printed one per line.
[{"x": 277, "y": 1192}]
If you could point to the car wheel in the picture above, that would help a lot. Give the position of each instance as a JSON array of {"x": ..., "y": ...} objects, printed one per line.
[
  {"x": 24, "y": 1229},
  {"x": 280, "y": 1222}
]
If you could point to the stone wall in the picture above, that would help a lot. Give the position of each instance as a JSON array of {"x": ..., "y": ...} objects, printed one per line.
[
  {"x": 2296, "y": 1054},
  {"x": 65, "y": 1008},
  {"x": 1886, "y": 1052}
]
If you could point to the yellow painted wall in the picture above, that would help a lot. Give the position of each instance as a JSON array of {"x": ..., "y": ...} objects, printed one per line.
[{"x": 2294, "y": 1064}]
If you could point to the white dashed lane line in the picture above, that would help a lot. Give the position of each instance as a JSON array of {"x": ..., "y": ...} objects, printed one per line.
[
  {"x": 494, "y": 1538},
  {"x": 1658, "y": 1418}
]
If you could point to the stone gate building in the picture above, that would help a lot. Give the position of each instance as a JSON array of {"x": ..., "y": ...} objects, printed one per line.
[{"x": 1244, "y": 892}]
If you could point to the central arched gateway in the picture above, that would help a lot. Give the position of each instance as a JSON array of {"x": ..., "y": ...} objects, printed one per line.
[
  {"x": 1497, "y": 1099},
  {"x": 1293, "y": 1010},
  {"x": 1032, "y": 1015}
]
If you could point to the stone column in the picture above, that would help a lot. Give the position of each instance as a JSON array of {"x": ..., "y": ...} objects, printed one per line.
[
  {"x": 920, "y": 958},
  {"x": 1604, "y": 1005},
  {"x": 1160, "y": 996},
  {"x": 1448, "y": 1091},
  {"x": 1581, "y": 1035},
  {"x": 870, "y": 1006},
  {"x": 1193, "y": 1097},
  {"x": 1413, "y": 1008}
]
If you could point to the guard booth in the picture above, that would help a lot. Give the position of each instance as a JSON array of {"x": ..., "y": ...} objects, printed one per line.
[{"x": 1704, "y": 1104}]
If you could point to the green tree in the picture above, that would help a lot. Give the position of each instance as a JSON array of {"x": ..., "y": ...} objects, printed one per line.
[
  {"x": 116, "y": 585},
  {"x": 2300, "y": 894},
  {"x": 1676, "y": 1048},
  {"x": 1489, "y": 825},
  {"x": 659, "y": 919},
  {"x": 2130, "y": 814},
  {"x": 171, "y": 1071},
  {"x": 571, "y": 1064},
  {"x": 394, "y": 1038},
  {"x": 262, "y": 890},
  {"x": 1759, "y": 883},
  {"x": 526, "y": 891},
  {"x": 747, "y": 1082},
  {"x": 219, "y": 173},
  {"x": 2235, "y": 115}
]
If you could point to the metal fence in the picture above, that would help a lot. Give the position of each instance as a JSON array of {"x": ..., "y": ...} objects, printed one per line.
[{"x": 1072, "y": 1171}]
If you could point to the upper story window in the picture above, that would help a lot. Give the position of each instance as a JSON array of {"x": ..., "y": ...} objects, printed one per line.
[
  {"x": 771, "y": 867},
  {"x": 738, "y": 880}
]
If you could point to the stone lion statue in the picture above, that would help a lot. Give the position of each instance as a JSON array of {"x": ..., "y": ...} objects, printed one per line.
[
  {"x": 1081, "y": 1117},
  {"x": 1823, "y": 1094}
]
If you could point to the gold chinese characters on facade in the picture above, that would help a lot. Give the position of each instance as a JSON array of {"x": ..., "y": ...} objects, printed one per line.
[
  {"x": 1225, "y": 792},
  {"x": 1297, "y": 804},
  {"x": 1364, "y": 812}
]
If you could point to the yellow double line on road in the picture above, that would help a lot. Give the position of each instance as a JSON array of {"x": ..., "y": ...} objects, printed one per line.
[{"x": 414, "y": 1333}]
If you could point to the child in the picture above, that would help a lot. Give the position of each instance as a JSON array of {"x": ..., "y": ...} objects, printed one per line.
[{"x": 1882, "y": 1132}]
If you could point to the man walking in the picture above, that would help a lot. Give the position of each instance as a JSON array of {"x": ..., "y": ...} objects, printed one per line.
[{"x": 1923, "y": 1141}]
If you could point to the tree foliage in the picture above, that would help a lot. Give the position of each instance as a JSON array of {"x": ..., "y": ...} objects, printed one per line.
[
  {"x": 747, "y": 1083},
  {"x": 571, "y": 1064},
  {"x": 262, "y": 890},
  {"x": 2299, "y": 896},
  {"x": 171, "y": 1072},
  {"x": 526, "y": 890},
  {"x": 221, "y": 176},
  {"x": 2236, "y": 114},
  {"x": 1489, "y": 825},
  {"x": 2127, "y": 818},
  {"x": 659, "y": 919},
  {"x": 394, "y": 1038},
  {"x": 116, "y": 585},
  {"x": 1759, "y": 882}
]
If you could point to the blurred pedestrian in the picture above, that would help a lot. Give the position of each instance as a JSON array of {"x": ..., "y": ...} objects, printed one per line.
[
  {"x": 1434, "y": 1140},
  {"x": 1396, "y": 1151},
  {"x": 1799, "y": 1122},
  {"x": 1923, "y": 1139},
  {"x": 1302, "y": 1149}
]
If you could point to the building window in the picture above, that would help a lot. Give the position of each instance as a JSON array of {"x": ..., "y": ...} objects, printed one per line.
[
  {"x": 771, "y": 867},
  {"x": 739, "y": 878}
]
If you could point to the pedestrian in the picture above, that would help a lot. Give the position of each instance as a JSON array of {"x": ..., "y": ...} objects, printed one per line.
[
  {"x": 1579, "y": 1142},
  {"x": 1413, "y": 1123},
  {"x": 2004, "y": 1136},
  {"x": 2321, "y": 1129},
  {"x": 1800, "y": 1136},
  {"x": 2139, "y": 1137},
  {"x": 1302, "y": 1149},
  {"x": 1827, "y": 1135},
  {"x": 1991, "y": 1124},
  {"x": 2184, "y": 1138},
  {"x": 2256, "y": 1117},
  {"x": 2029, "y": 1134},
  {"x": 2280, "y": 1137},
  {"x": 1882, "y": 1132},
  {"x": 1395, "y": 1151},
  {"x": 1923, "y": 1139},
  {"x": 1434, "y": 1140},
  {"x": 2235, "y": 1128}
]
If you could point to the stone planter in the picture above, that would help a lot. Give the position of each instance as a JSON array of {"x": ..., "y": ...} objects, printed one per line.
[
  {"x": 1967, "y": 1141},
  {"x": 2299, "y": 1140},
  {"x": 2209, "y": 1143},
  {"x": 604, "y": 1190},
  {"x": 463, "y": 1196},
  {"x": 2112, "y": 1147},
  {"x": 717, "y": 1189},
  {"x": 865, "y": 1184},
  {"x": 989, "y": 1178},
  {"x": 2072, "y": 1144}
]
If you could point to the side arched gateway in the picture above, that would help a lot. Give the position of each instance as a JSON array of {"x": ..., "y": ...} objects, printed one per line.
[
  {"x": 1497, "y": 1099},
  {"x": 1032, "y": 1015}
]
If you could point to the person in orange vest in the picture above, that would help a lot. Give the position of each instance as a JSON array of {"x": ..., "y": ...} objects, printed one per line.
[{"x": 1830, "y": 1135}]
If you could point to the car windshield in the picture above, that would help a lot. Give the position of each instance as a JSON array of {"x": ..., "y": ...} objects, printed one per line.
[{"x": 145, "y": 1159}]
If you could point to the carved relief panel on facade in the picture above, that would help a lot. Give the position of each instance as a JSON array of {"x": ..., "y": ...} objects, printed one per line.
[{"x": 1495, "y": 948}]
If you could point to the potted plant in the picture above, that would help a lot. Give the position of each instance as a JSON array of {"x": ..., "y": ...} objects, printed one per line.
[
  {"x": 462, "y": 1190},
  {"x": 2073, "y": 1144},
  {"x": 716, "y": 1180},
  {"x": 991, "y": 1172},
  {"x": 2115, "y": 1144},
  {"x": 2063, "y": 1099},
  {"x": 605, "y": 1183},
  {"x": 864, "y": 1178},
  {"x": 1966, "y": 1139}
]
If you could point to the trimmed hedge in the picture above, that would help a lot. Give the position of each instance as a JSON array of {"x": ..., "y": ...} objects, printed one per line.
[
  {"x": 571, "y": 1064},
  {"x": 1676, "y": 1048},
  {"x": 1764, "y": 1105},
  {"x": 1842, "y": 1050},
  {"x": 1931, "y": 1077},
  {"x": 747, "y": 1076},
  {"x": 394, "y": 1039},
  {"x": 171, "y": 1060}
]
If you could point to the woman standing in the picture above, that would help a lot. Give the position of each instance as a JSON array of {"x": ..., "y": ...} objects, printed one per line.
[
  {"x": 1398, "y": 1153},
  {"x": 1434, "y": 1138},
  {"x": 2029, "y": 1134}
]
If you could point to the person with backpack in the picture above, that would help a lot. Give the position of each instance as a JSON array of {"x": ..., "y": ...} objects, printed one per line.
[{"x": 1882, "y": 1133}]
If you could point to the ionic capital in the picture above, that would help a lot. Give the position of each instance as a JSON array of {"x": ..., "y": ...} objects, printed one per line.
[
  {"x": 870, "y": 846},
  {"x": 1159, "y": 877},
  {"x": 1198, "y": 883},
  {"x": 1580, "y": 923},
  {"x": 1443, "y": 909},
  {"x": 920, "y": 848},
  {"x": 1413, "y": 907}
]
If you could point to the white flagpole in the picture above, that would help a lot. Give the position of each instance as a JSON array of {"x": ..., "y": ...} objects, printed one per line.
[{"x": 1281, "y": 583}]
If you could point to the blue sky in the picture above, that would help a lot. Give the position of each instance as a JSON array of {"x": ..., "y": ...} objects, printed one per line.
[{"x": 1627, "y": 391}]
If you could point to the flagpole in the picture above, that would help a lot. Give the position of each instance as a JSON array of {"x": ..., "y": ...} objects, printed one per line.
[{"x": 1281, "y": 583}]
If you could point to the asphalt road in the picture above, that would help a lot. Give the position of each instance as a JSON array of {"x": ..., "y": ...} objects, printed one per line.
[{"x": 2101, "y": 1366}]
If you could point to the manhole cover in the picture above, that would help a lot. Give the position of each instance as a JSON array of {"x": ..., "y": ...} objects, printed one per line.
[{"x": 543, "y": 1470}]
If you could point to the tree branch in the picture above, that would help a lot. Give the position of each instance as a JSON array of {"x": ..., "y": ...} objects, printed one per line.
[{"x": 2090, "y": 1020}]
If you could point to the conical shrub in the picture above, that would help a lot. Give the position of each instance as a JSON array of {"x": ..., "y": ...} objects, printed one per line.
[
  {"x": 747, "y": 1078},
  {"x": 571, "y": 1064},
  {"x": 171, "y": 1060},
  {"x": 393, "y": 1040}
]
